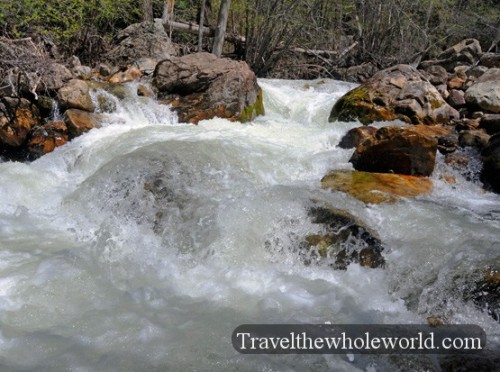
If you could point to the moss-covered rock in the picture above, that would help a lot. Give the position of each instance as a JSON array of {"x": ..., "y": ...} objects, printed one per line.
[
  {"x": 201, "y": 86},
  {"x": 253, "y": 110},
  {"x": 400, "y": 92}
]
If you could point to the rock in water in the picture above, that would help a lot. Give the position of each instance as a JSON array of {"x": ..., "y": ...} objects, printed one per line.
[
  {"x": 345, "y": 241},
  {"x": 491, "y": 163},
  {"x": 79, "y": 122},
  {"x": 376, "y": 188},
  {"x": 403, "y": 150},
  {"x": 201, "y": 86},
  {"x": 75, "y": 95},
  {"x": 399, "y": 92},
  {"x": 354, "y": 137},
  {"x": 46, "y": 138}
]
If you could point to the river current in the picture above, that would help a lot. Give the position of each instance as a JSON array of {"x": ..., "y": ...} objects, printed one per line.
[{"x": 143, "y": 244}]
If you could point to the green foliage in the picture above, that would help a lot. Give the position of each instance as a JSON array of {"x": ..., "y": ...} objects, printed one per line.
[{"x": 76, "y": 25}]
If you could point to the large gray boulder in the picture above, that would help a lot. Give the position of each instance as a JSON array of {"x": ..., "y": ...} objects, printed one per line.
[
  {"x": 485, "y": 93},
  {"x": 139, "y": 41},
  {"x": 201, "y": 86}
]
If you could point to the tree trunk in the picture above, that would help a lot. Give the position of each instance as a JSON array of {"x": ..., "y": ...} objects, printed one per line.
[
  {"x": 201, "y": 23},
  {"x": 168, "y": 11},
  {"x": 147, "y": 10},
  {"x": 220, "y": 31}
]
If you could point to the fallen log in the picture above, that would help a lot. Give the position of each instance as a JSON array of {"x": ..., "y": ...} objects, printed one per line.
[{"x": 193, "y": 28}]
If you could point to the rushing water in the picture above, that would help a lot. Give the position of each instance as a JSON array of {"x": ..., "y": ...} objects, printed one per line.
[{"x": 142, "y": 245}]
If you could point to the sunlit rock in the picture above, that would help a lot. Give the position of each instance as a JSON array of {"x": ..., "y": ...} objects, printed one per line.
[
  {"x": 356, "y": 136},
  {"x": 201, "y": 86},
  {"x": 376, "y": 188},
  {"x": 17, "y": 117},
  {"x": 46, "y": 138},
  {"x": 485, "y": 93},
  {"x": 75, "y": 95},
  {"x": 399, "y": 92},
  {"x": 79, "y": 122}
]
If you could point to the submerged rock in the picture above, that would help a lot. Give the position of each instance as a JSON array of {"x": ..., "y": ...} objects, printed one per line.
[
  {"x": 486, "y": 294},
  {"x": 399, "y": 92},
  {"x": 376, "y": 188},
  {"x": 344, "y": 241},
  {"x": 403, "y": 150},
  {"x": 201, "y": 86}
]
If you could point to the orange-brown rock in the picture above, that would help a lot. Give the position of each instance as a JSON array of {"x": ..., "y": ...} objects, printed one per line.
[
  {"x": 79, "y": 122},
  {"x": 201, "y": 86},
  {"x": 376, "y": 188},
  {"x": 44, "y": 139},
  {"x": 144, "y": 91},
  {"x": 17, "y": 117},
  {"x": 404, "y": 150},
  {"x": 356, "y": 135},
  {"x": 130, "y": 74}
]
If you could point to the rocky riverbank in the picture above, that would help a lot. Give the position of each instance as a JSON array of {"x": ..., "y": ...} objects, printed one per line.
[
  {"x": 455, "y": 100},
  {"x": 48, "y": 102}
]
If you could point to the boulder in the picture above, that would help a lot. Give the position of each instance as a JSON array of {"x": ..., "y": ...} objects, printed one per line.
[
  {"x": 54, "y": 78},
  {"x": 345, "y": 240},
  {"x": 359, "y": 73},
  {"x": 485, "y": 93},
  {"x": 201, "y": 86},
  {"x": 491, "y": 60},
  {"x": 490, "y": 123},
  {"x": 399, "y": 92},
  {"x": 486, "y": 293},
  {"x": 473, "y": 138},
  {"x": 125, "y": 76},
  {"x": 465, "y": 53},
  {"x": 75, "y": 95},
  {"x": 456, "y": 98},
  {"x": 436, "y": 74},
  {"x": 457, "y": 80},
  {"x": 490, "y": 174},
  {"x": 141, "y": 40},
  {"x": 376, "y": 188},
  {"x": 17, "y": 117},
  {"x": 402, "y": 150},
  {"x": 356, "y": 135},
  {"x": 44, "y": 139},
  {"x": 79, "y": 122},
  {"x": 448, "y": 144}
]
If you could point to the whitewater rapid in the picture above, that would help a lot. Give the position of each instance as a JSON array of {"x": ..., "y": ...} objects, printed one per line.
[{"x": 143, "y": 244}]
